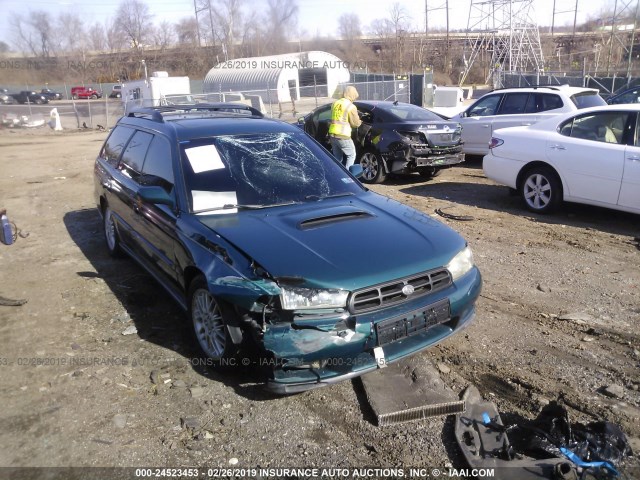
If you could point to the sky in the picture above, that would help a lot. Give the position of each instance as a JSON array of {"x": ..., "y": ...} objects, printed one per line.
[{"x": 315, "y": 16}]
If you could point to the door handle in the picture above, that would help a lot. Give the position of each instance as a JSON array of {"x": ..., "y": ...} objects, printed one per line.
[
  {"x": 526, "y": 124},
  {"x": 557, "y": 147},
  {"x": 634, "y": 158},
  {"x": 485, "y": 126}
]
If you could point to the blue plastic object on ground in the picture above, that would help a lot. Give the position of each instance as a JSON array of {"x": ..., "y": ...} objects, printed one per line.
[{"x": 581, "y": 463}]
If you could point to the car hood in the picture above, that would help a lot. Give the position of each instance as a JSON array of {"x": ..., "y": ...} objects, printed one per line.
[{"x": 346, "y": 243}]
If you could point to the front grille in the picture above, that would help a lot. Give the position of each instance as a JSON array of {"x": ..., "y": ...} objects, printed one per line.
[{"x": 390, "y": 293}]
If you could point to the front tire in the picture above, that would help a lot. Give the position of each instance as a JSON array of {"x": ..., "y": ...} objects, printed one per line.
[
  {"x": 372, "y": 167},
  {"x": 74, "y": 97},
  {"x": 541, "y": 190},
  {"x": 111, "y": 234},
  {"x": 208, "y": 324}
]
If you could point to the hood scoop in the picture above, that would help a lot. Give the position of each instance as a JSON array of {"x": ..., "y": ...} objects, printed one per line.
[{"x": 333, "y": 218}]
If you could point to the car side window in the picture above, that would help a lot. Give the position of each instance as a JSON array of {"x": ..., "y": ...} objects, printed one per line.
[
  {"x": 629, "y": 97},
  {"x": 115, "y": 144},
  {"x": 158, "y": 165},
  {"x": 366, "y": 115},
  {"x": 514, "y": 103},
  {"x": 607, "y": 127},
  {"x": 324, "y": 115},
  {"x": 550, "y": 101},
  {"x": 133, "y": 157},
  {"x": 485, "y": 106}
]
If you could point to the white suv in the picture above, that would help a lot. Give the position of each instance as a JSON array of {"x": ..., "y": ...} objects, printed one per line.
[{"x": 512, "y": 107}]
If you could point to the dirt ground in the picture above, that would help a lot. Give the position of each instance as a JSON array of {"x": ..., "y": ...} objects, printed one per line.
[{"x": 558, "y": 317}]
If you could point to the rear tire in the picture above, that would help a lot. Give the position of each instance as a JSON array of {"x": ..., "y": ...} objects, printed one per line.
[
  {"x": 74, "y": 97},
  {"x": 111, "y": 234},
  {"x": 541, "y": 190},
  {"x": 208, "y": 323},
  {"x": 372, "y": 167}
]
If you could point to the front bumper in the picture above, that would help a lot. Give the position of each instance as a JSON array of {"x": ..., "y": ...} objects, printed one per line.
[
  {"x": 345, "y": 360},
  {"x": 413, "y": 159}
]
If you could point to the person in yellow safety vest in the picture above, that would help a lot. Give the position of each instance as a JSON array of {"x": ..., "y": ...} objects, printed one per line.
[{"x": 344, "y": 117}]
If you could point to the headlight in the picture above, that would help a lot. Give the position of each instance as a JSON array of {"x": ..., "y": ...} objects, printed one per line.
[
  {"x": 293, "y": 298},
  {"x": 461, "y": 263}
]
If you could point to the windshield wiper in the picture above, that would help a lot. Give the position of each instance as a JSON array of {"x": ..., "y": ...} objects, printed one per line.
[
  {"x": 230, "y": 206},
  {"x": 318, "y": 197}
]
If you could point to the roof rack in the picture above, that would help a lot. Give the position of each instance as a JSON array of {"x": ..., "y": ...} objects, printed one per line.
[
  {"x": 156, "y": 113},
  {"x": 551, "y": 87}
]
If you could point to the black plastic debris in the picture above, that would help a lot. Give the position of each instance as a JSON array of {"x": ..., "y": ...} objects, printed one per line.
[{"x": 549, "y": 446}]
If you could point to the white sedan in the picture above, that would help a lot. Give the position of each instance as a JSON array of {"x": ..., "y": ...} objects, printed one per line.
[{"x": 591, "y": 156}]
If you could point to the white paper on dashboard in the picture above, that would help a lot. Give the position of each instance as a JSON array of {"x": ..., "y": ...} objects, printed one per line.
[
  {"x": 204, "y": 158},
  {"x": 203, "y": 200}
]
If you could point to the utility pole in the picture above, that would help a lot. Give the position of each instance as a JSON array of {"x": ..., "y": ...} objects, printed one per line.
[
  {"x": 195, "y": 9},
  {"x": 443, "y": 6}
]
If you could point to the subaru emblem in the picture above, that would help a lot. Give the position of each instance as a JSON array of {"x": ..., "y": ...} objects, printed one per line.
[{"x": 408, "y": 290}]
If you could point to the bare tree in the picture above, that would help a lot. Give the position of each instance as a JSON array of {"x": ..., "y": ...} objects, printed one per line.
[
  {"x": 71, "y": 34},
  {"x": 133, "y": 18},
  {"x": 227, "y": 16},
  {"x": 35, "y": 34},
  {"x": 164, "y": 35},
  {"x": 281, "y": 21},
  {"x": 97, "y": 37},
  {"x": 349, "y": 30},
  {"x": 399, "y": 19},
  {"x": 186, "y": 30},
  {"x": 349, "y": 27},
  {"x": 114, "y": 37}
]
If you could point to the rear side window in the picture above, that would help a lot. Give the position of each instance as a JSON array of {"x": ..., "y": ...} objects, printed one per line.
[
  {"x": 133, "y": 156},
  {"x": 549, "y": 101},
  {"x": 514, "y": 103},
  {"x": 587, "y": 99},
  {"x": 115, "y": 144},
  {"x": 607, "y": 127}
]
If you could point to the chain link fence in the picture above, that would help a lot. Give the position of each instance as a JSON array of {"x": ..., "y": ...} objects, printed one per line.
[{"x": 104, "y": 113}]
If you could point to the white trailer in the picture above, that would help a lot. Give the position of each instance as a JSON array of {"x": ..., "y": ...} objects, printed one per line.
[{"x": 151, "y": 92}]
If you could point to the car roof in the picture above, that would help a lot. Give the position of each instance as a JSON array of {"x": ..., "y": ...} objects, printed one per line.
[
  {"x": 568, "y": 89},
  {"x": 380, "y": 103},
  {"x": 191, "y": 122}
]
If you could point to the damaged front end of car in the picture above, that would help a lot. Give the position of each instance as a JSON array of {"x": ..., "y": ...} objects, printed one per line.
[
  {"x": 307, "y": 337},
  {"x": 434, "y": 146}
]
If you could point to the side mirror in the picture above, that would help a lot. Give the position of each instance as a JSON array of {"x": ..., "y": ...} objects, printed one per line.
[
  {"x": 356, "y": 170},
  {"x": 156, "y": 195},
  {"x": 301, "y": 121}
]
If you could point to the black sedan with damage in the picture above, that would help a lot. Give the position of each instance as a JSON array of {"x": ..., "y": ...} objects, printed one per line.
[{"x": 395, "y": 138}]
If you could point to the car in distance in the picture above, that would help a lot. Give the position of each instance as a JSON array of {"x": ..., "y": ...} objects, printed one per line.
[
  {"x": 29, "y": 96},
  {"x": 85, "y": 92},
  {"x": 591, "y": 156},
  {"x": 6, "y": 97},
  {"x": 50, "y": 94},
  {"x": 394, "y": 138},
  {"x": 631, "y": 95},
  {"x": 274, "y": 249},
  {"x": 116, "y": 91},
  {"x": 522, "y": 106}
]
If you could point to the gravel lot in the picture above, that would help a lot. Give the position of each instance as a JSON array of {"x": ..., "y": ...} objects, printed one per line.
[{"x": 558, "y": 317}]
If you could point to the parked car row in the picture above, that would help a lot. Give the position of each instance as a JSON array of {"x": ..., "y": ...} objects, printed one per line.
[
  {"x": 243, "y": 220},
  {"x": 46, "y": 95}
]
